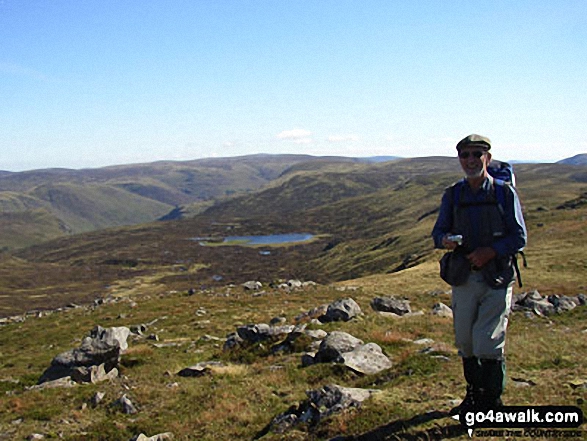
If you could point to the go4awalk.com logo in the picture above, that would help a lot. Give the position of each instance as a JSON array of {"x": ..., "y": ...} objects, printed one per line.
[{"x": 528, "y": 421}]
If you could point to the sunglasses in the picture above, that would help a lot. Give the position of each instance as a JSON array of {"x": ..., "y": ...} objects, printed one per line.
[{"x": 476, "y": 153}]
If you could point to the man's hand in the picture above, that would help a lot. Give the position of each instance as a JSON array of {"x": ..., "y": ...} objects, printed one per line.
[
  {"x": 481, "y": 256},
  {"x": 448, "y": 244}
]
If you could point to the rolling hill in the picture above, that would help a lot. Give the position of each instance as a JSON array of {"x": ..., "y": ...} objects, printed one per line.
[
  {"x": 366, "y": 218},
  {"x": 91, "y": 199},
  {"x": 372, "y": 227}
]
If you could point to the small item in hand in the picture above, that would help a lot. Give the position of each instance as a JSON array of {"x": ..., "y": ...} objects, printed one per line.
[{"x": 458, "y": 238}]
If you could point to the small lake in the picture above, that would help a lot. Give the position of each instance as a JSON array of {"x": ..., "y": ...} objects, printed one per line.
[{"x": 270, "y": 239}]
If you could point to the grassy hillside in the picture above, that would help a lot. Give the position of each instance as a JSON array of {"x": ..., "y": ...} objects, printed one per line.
[
  {"x": 372, "y": 224},
  {"x": 90, "y": 199},
  {"x": 367, "y": 220},
  {"x": 545, "y": 365}
]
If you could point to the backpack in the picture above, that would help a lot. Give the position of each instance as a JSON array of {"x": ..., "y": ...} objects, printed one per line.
[
  {"x": 502, "y": 171},
  {"x": 505, "y": 176}
]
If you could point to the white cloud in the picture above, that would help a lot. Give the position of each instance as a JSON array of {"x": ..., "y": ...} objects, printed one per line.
[
  {"x": 343, "y": 138},
  {"x": 295, "y": 134}
]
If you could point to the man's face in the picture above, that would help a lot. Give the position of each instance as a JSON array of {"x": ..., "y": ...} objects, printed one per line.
[{"x": 474, "y": 161}]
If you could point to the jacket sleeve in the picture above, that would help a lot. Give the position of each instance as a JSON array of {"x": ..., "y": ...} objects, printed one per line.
[
  {"x": 516, "y": 234},
  {"x": 444, "y": 221}
]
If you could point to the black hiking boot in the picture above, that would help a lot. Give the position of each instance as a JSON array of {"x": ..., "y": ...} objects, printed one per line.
[{"x": 468, "y": 403}]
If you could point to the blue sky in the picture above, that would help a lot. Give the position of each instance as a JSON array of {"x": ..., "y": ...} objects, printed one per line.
[{"x": 89, "y": 83}]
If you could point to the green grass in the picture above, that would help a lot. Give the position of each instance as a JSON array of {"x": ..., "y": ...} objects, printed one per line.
[{"x": 371, "y": 236}]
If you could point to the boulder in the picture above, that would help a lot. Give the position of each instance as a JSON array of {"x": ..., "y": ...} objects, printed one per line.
[
  {"x": 313, "y": 313},
  {"x": 93, "y": 374},
  {"x": 125, "y": 405},
  {"x": 441, "y": 310},
  {"x": 159, "y": 437},
  {"x": 112, "y": 336},
  {"x": 366, "y": 359},
  {"x": 262, "y": 332},
  {"x": 102, "y": 347},
  {"x": 563, "y": 303},
  {"x": 252, "y": 285},
  {"x": 391, "y": 304},
  {"x": 199, "y": 369},
  {"x": 320, "y": 404},
  {"x": 334, "y": 345},
  {"x": 341, "y": 310}
]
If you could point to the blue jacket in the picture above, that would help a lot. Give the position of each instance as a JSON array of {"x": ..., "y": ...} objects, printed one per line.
[{"x": 515, "y": 235}]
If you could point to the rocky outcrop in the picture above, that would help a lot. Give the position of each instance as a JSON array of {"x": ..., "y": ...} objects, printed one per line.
[
  {"x": 392, "y": 305},
  {"x": 341, "y": 347},
  {"x": 95, "y": 360},
  {"x": 441, "y": 310},
  {"x": 341, "y": 310},
  {"x": 200, "y": 369},
  {"x": 366, "y": 359},
  {"x": 321, "y": 403},
  {"x": 544, "y": 306}
]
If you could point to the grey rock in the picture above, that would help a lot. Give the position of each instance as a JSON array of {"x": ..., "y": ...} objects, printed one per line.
[
  {"x": 59, "y": 382},
  {"x": 102, "y": 347},
  {"x": 321, "y": 403},
  {"x": 97, "y": 398},
  {"x": 199, "y": 369},
  {"x": 312, "y": 314},
  {"x": 232, "y": 341},
  {"x": 126, "y": 405},
  {"x": 252, "y": 285},
  {"x": 160, "y": 437},
  {"x": 391, "y": 304},
  {"x": 563, "y": 303},
  {"x": 341, "y": 310},
  {"x": 367, "y": 359},
  {"x": 112, "y": 336},
  {"x": 93, "y": 374},
  {"x": 442, "y": 310},
  {"x": 334, "y": 345}
]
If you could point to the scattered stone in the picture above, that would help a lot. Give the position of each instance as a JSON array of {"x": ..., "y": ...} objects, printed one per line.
[
  {"x": 391, "y": 304},
  {"x": 320, "y": 404},
  {"x": 199, "y": 369},
  {"x": 252, "y": 285},
  {"x": 138, "y": 329},
  {"x": 367, "y": 359},
  {"x": 126, "y": 405},
  {"x": 160, "y": 437},
  {"x": 341, "y": 310},
  {"x": 334, "y": 345},
  {"x": 521, "y": 382},
  {"x": 424, "y": 341},
  {"x": 294, "y": 283},
  {"x": 97, "y": 398},
  {"x": 277, "y": 321},
  {"x": 312, "y": 314},
  {"x": 59, "y": 382},
  {"x": 544, "y": 306},
  {"x": 442, "y": 310},
  {"x": 93, "y": 374},
  {"x": 262, "y": 332},
  {"x": 102, "y": 347}
]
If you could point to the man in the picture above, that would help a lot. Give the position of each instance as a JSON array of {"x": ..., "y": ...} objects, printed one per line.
[{"x": 488, "y": 216}]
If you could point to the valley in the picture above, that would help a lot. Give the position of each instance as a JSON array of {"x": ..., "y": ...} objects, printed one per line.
[{"x": 371, "y": 226}]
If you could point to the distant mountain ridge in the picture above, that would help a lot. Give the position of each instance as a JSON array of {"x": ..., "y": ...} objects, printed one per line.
[
  {"x": 580, "y": 159},
  {"x": 51, "y": 203},
  {"x": 90, "y": 199}
]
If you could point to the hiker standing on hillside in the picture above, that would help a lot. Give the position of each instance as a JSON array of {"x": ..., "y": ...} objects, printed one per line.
[{"x": 480, "y": 221}]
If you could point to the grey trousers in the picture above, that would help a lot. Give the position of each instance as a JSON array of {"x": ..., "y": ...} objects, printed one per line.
[{"x": 480, "y": 316}]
